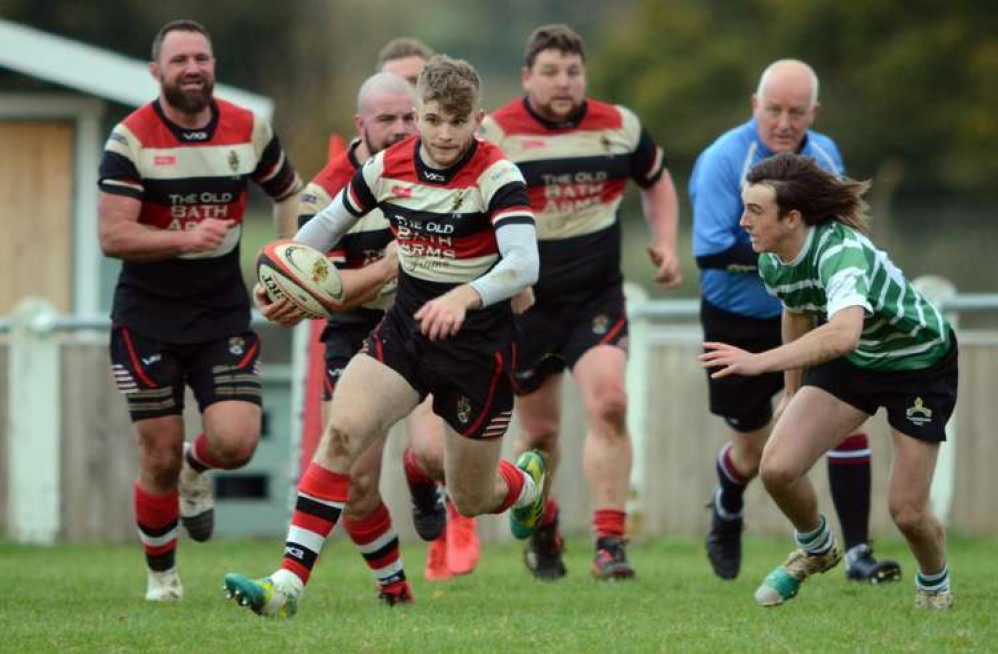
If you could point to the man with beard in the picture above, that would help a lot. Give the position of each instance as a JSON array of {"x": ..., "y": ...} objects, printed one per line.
[
  {"x": 577, "y": 154},
  {"x": 173, "y": 183}
]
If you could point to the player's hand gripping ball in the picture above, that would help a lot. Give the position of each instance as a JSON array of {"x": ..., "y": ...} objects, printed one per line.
[{"x": 301, "y": 274}]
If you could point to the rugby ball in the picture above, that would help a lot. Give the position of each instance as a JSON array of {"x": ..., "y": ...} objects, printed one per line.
[{"x": 303, "y": 275}]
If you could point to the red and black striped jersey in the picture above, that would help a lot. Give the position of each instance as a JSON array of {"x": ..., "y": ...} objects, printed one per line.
[
  {"x": 182, "y": 177},
  {"x": 365, "y": 242},
  {"x": 443, "y": 220},
  {"x": 576, "y": 173}
]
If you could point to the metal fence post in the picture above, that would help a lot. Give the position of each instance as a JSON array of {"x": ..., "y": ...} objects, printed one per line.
[
  {"x": 637, "y": 406},
  {"x": 34, "y": 424}
]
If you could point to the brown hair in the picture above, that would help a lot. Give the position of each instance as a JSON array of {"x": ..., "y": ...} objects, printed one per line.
[
  {"x": 453, "y": 83},
  {"x": 802, "y": 184},
  {"x": 183, "y": 25},
  {"x": 401, "y": 48},
  {"x": 557, "y": 37}
]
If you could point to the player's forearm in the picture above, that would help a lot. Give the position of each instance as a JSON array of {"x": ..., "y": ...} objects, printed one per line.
[
  {"x": 518, "y": 268},
  {"x": 132, "y": 241},
  {"x": 827, "y": 342},
  {"x": 286, "y": 216},
  {"x": 661, "y": 209},
  {"x": 364, "y": 284},
  {"x": 792, "y": 327},
  {"x": 327, "y": 227}
]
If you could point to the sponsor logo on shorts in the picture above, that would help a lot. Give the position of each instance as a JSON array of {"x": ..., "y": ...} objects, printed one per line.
[
  {"x": 463, "y": 410},
  {"x": 237, "y": 346},
  {"x": 601, "y": 323},
  {"x": 918, "y": 413},
  {"x": 149, "y": 360}
]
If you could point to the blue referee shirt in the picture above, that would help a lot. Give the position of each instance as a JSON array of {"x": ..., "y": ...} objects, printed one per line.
[{"x": 720, "y": 246}]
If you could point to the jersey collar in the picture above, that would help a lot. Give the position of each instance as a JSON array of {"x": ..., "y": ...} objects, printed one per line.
[
  {"x": 441, "y": 176},
  {"x": 185, "y": 135}
]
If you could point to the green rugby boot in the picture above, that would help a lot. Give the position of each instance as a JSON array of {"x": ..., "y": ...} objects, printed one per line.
[
  {"x": 525, "y": 519},
  {"x": 275, "y": 596},
  {"x": 783, "y": 583}
]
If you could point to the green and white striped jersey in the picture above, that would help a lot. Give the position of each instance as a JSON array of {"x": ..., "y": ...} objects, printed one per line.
[{"x": 839, "y": 267}]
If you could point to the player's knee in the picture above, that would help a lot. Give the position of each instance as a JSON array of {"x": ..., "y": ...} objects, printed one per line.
[
  {"x": 907, "y": 515},
  {"x": 235, "y": 452},
  {"x": 541, "y": 434},
  {"x": 610, "y": 407},
  {"x": 340, "y": 443},
  {"x": 776, "y": 474}
]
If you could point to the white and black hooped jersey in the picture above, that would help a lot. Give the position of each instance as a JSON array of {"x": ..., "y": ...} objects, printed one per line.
[
  {"x": 576, "y": 173},
  {"x": 444, "y": 220},
  {"x": 182, "y": 177}
]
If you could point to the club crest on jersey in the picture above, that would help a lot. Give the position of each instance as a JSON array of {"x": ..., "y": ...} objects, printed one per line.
[
  {"x": 463, "y": 410},
  {"x": 237, "y": 346},
  {"x": 605, "y": 142},
  {"x": 233, "y": 160},
  {"x": 601, "y": 323},
  {"x": 918, "y": 413}
]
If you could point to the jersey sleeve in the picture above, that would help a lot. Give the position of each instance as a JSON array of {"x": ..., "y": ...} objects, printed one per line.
[
  {"x": 505, "y": 195},
  {"x": 491, "y": 131},
  {"x": 119, "y": 173},
  {"x": 842, "y": 270},
  {"x": 360, "y": 195},
  {"x": 647, "y": 161},
  {"x": 274, "y": 172}
]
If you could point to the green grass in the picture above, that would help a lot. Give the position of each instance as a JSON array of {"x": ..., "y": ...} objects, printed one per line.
[{"x": 89, "y": 599}]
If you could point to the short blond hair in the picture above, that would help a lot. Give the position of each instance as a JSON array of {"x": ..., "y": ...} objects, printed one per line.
[{"x": 453, "y": 83}]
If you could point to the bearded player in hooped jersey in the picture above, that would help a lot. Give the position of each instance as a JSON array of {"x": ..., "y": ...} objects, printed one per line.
[
  {"x": 466, "y": 245},
  {"x": 173, "y": 192},
  {"x": 577, "y": 154},
  {"x": 881, "y": 344}
]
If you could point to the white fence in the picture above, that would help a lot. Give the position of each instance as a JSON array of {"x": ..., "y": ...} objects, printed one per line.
[{"x": 68, "y": 477}]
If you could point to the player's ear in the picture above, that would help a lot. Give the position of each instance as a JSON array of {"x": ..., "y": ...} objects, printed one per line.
[
  {"x": 154, "y": 70},
  {"x": 479, "y": 117}
]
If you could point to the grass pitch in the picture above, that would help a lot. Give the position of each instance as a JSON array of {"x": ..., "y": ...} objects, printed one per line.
[{"x": 89, "y": 599}]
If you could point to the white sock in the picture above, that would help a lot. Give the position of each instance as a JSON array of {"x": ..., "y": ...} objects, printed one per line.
[
  {"x": 528, "y": 493},
  {"x": 287, "y": 581}
]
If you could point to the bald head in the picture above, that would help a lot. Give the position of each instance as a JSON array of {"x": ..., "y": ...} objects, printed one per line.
[
  {"x": 381, "y": 84},
  {"x": 789, "y": 72},
  {"x": 785, "y": 104},
  {"x": 385, "y": 111}
]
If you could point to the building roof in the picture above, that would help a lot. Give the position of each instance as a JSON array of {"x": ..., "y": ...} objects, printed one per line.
[{"x": 96, "y": 71}]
